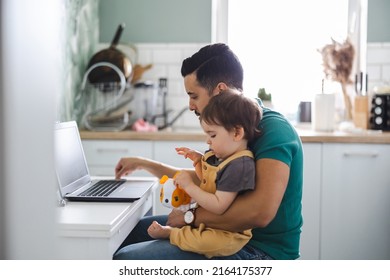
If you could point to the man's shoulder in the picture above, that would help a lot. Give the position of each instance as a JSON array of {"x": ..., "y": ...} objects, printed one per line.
[
  {"x": 274, "y": 121},
  {"x": 276, "y": 130}
]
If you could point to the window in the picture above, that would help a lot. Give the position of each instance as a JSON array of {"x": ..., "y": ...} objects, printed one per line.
[{"x": 277, "y": 42}]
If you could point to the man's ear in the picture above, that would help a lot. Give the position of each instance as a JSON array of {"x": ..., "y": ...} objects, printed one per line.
[
  {"x": 221, "y": 87},
  {"x": 239, "y": 133}
]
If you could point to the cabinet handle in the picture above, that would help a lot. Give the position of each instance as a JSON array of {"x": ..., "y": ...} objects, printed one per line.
[
  {"x": 361, "y": 154},
  {"x": 107, "y": 150}
]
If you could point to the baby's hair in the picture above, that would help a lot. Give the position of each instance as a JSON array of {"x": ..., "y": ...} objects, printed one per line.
[{"x": 231, "y": 109}]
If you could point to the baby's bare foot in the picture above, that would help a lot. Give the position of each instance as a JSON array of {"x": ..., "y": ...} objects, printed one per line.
[{"x": 158, "y": 231}]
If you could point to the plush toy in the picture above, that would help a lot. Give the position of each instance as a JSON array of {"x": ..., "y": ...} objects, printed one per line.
[{"x": 172, "y": 196}]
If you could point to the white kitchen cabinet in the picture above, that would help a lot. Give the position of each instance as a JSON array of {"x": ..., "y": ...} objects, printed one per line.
[
  {"x": 355, "y": 206},
  {"x": 310, "y": 236},
  {"x": 164, "y": 151},
  {"x": 103, "y": 155}
]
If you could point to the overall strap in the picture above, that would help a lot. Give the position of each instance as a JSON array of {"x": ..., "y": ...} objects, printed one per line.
[{"x": 243, "y": 153}]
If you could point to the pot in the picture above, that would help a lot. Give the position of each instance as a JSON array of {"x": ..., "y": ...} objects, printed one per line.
[{"x": 111, "y": 55}]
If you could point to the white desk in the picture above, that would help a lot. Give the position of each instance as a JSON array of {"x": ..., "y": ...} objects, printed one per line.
[{"x": 95, "y": 230}]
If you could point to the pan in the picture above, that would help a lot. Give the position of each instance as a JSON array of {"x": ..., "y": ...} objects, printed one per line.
[{"x": 103, "y": 75}]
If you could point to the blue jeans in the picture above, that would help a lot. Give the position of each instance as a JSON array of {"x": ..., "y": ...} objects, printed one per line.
[{"x": 140, "y": 246}]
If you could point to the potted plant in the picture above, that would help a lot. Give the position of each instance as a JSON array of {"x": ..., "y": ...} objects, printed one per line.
[{"x": 265, "y": 97}]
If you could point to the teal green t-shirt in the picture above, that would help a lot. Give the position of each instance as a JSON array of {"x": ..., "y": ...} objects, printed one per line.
[{"x": 280, "y": 141}]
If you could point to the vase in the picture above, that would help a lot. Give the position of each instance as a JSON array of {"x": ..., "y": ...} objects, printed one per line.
[
  {"x": 323, "y": 113},
  {"x": 347, "y": 103}
]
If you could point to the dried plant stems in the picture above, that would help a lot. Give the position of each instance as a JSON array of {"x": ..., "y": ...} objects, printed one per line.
[{"x": 338, "y": 62}]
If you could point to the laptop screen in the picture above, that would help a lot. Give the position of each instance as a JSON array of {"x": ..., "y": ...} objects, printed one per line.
[{"x": 71, "y": 167}]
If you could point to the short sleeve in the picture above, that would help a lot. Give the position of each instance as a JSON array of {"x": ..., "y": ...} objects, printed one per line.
[{"x": 237, "y": 176}]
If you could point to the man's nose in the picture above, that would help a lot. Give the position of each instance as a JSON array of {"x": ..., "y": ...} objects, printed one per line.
[{"x": 191, "y": 106}]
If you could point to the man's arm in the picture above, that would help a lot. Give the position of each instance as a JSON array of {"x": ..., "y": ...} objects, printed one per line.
[
  {"x": 128, "y": 165},
  {"x": 255, "y": 208}
]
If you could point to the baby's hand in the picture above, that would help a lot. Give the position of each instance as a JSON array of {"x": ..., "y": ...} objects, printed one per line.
[
  {"x": 183, "y": 180},
  {"x": 193, "y": 155}
]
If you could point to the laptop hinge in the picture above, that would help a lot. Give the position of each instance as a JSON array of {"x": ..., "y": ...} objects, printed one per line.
[{"x": 61, "y": 202}]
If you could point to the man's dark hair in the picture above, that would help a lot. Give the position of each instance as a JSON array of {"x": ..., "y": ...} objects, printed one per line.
[
  {"x": 232, "y": 109},
  {"x": 214, "y": 64}
]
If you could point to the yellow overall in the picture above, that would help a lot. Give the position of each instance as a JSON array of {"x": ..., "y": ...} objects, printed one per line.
[{"x": 204, "y": 240}]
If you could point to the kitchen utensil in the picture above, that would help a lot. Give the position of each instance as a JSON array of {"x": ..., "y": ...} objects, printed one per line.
[
  {"x": 103, "y": 75},
  {"x": 138, "y": 71},
  {"x": 360, "y": 111}
]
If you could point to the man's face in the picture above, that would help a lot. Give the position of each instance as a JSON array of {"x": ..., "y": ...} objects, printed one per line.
[{"x": 198, "y": 96}]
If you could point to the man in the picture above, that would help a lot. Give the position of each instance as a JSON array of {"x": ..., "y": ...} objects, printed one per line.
[{"x": 273, "y": 209}]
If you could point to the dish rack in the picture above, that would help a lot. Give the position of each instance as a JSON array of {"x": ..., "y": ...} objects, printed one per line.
[{"x": 105, "y": 103}]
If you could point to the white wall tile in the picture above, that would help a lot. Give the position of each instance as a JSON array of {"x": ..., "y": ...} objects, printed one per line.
[
  {"x": 176, "y": 88},
  {"x": 144, "y": 56},
  {"x": 379, "y": 55},
  {"x": 156, "y": 72},
  {"x": 374, "y": 71},
  {"x": 174, "y": 71},
  {"x": 386, "y": 73},
  {"x": 166, "y": 56},
  {"x": 378, "y": 64}
]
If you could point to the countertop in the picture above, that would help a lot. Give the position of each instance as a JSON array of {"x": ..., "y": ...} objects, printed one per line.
[{"x": 307, "y": 136}]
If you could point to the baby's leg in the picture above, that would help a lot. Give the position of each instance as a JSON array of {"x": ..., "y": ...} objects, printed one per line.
[{"x": 158, "y": 231}]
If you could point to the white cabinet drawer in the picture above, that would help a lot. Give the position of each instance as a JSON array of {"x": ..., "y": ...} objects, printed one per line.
[
  {"x": 109, "y": 152},
  {"x": 102, "y": 155}
]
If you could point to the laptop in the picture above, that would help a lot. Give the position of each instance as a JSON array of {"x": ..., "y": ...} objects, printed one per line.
[{"x": 75, "y": 183}]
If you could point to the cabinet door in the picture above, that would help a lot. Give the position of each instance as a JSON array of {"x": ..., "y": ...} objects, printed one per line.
[
  {"x": 164, "y": 151},
  {"x": 310, "y": 236},
  {"x": 355, "y": 211},
  {"x": 103, "y": 155}
]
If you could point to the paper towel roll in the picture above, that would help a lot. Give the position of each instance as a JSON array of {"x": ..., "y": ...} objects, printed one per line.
[{"x": 323, "y": 112}]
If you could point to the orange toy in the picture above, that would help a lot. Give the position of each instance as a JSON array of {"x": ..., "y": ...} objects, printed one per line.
[{"x": 173, "y": 196}]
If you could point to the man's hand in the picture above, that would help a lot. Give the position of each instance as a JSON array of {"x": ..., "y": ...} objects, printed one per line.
[
  {"x": 176, "y": 218},
  {"x": 126, "y": 166}
]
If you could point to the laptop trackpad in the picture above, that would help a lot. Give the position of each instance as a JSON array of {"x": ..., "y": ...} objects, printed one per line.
[{"x": 133, "y": 189}]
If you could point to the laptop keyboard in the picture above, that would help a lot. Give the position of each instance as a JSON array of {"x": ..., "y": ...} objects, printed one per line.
[{"x": 102, "y": 188}]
